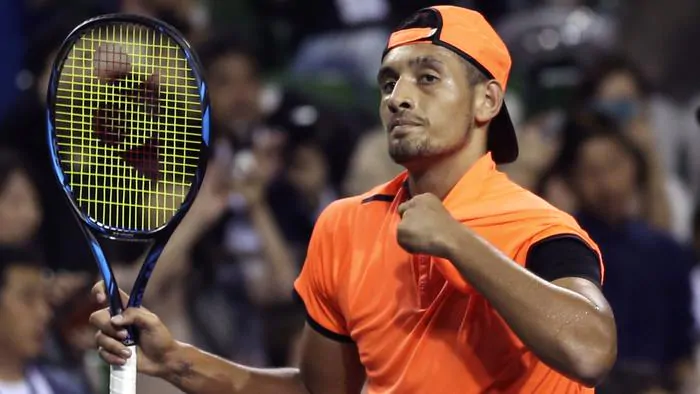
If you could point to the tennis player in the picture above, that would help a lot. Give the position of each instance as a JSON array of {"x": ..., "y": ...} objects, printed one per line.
[{"x": 447, "y": 279}]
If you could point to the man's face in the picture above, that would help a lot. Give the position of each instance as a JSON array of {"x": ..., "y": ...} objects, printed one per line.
[
  {"x": 24, "y": 312},
  {"x": 605, "y": 178},
  {"x": 234, "y": 90},
  {"x": 427, "y": 102}
]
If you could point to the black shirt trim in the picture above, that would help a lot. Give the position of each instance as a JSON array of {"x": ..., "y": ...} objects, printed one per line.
[
  {"x": 563, "y": 256},
  {"x": 379, "y": 197},
  {"x": 319, "y": 328}
]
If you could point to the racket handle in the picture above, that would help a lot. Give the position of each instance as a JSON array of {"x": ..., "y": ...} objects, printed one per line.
[{"x": 122, "y": 378}]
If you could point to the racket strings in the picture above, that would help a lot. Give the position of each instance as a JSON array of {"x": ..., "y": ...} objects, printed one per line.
[{"x": 128, "y": 124}]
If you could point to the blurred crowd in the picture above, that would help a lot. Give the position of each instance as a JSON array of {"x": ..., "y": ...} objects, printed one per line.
[{"x": 608, "y": 132}]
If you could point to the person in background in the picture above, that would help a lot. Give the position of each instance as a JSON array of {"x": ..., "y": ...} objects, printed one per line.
[
  {"x": 695, "y": 286},
  {"x": 25, "y": 314},
  {"x": 249, "y": 257},
  {"x": 647, "y": 271},
  {"x": 22, "y": 218},
  {"x": 21, "y": 212},
  {"x": 299, "y": 194},
  {"x": 297, "y": 197},
  {"x": 190, "y": 17},
  {"x": 23, "y": 130},
  {"x": 617, "y": 88},
  {"x": 369, "y": 165}
]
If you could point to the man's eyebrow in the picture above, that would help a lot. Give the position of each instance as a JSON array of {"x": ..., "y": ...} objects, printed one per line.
[
  {"x": 418, "y": 61},
  {"x": 385, "y": 72},
  {"x": 428, "y": 61}
]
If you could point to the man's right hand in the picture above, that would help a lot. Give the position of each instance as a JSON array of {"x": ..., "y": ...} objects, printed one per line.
[{"x": 155, "y": 341}]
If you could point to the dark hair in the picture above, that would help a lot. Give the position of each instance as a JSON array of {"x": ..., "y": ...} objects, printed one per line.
[
  {"x": 427, "y": 18},
  {"x": 10, "y": 162},
  {"x": 11, "y": 256},
  {"x": 583, "y": 127},
  {"x": 223, "y": 44},
  {"x": 608, "y": 65}
]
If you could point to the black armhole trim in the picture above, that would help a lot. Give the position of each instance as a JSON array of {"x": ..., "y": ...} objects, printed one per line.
[
  {"x": 326, "y": 332},
  {"x": 379, "y": 197},
  {"x": 318, "y": 327},
  {"x": 565, "y": 236}
]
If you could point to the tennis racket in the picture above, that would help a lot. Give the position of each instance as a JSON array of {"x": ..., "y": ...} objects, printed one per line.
[{"x": 128, "y": 130}]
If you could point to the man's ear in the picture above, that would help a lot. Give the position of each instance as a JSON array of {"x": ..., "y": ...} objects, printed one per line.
[{"x": 488, "y": 102}]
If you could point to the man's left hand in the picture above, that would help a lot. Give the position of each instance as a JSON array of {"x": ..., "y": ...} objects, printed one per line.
[{"x": 426, "y": 227}]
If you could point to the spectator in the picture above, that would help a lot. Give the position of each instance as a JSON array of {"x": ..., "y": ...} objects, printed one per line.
[
  {"x": 190, "y": 17},
  {"x": 20, "y": 208},
  {"x": 369, "y": 164},
  {"x": 21, "y": 216},
  {"x": 647, "y": 271},
  {"x": 695, "y": 285},
  {"x": 617, "y": 88},
  {"x": 24, "y": 131},
  {"x": 301, "y": 192},
  {"x": 251, "y": 261},
  {"x": 296, "y": 197},
  {"x": 25, "y": 314}
]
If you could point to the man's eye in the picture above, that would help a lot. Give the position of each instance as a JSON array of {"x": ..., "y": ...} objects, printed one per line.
[
  {"x": 388, "y": 86},
  {"x": 428, "y": 78}
]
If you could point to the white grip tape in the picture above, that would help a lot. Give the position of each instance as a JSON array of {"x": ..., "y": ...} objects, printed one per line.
[{"x": 122, "y": 378}]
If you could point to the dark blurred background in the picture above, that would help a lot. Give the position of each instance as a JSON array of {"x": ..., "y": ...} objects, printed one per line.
[{"x": 604, "y": 94}]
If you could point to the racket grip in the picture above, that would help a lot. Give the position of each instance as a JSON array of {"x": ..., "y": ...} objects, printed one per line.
[{"x": 122, "y": 378}]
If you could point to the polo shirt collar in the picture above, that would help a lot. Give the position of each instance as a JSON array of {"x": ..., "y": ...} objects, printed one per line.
[
  {"x": 472, "y": 183},
  {"x": 468, "y": 188}
]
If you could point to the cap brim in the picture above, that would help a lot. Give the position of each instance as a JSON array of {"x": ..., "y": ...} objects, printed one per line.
[{"x": 502, "y": 140}]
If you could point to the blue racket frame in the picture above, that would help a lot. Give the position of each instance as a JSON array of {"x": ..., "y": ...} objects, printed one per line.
[{"x": 93, "y": 229}]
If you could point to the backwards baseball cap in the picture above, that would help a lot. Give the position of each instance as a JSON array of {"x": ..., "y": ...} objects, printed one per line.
[{"x": 467, "y": 33}]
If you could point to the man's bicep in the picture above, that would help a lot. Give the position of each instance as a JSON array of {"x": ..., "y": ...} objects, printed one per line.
[{"x": 329, "y": 366}]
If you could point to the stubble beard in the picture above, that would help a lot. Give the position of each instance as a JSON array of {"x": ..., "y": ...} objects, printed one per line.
[{"x": 406, "y": 152}]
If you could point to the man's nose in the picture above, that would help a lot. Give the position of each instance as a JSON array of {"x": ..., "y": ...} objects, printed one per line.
[{"x": 401, "y": 98}]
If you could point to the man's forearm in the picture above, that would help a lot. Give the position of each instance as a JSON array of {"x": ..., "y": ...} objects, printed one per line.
[
  {"x": 563, "y": 328},
  {"x": 197, "y": 372}
]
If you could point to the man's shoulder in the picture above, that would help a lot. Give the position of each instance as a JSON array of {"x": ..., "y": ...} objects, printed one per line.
[
  {"x": 509, "y": 196},
  {"x": 531, "y": 216}
]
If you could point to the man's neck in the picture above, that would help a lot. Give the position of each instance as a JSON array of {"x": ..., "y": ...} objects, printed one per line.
[
  {"x": 441, "y": 176},
  {"x": 11, "y": 368}
]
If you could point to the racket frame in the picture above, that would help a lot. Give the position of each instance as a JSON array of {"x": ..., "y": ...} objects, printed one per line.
[{"x": 92, "y": 228}]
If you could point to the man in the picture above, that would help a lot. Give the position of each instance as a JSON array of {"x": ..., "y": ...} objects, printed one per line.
[
  {"x": 492, "y": 290},
  {"x": 25, "y": 314}
]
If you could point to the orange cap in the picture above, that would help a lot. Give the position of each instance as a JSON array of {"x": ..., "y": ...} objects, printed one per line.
[{"x": 467, "y": 33}]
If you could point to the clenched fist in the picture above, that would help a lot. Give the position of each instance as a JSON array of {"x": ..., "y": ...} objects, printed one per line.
[{"x": 426, "y": 227}]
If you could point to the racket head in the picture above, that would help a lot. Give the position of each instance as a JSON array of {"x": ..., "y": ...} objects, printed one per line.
[{"x": 128, "y": 122}]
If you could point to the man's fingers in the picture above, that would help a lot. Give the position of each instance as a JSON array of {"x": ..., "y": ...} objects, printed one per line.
[
  {"x": 102, "y": 321},
  {"x": 111, "y": 345},
  {"x": 139, "y": 317},
  {"x": 100, "y": 295},
  {"x": 111, "y": 358}
]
